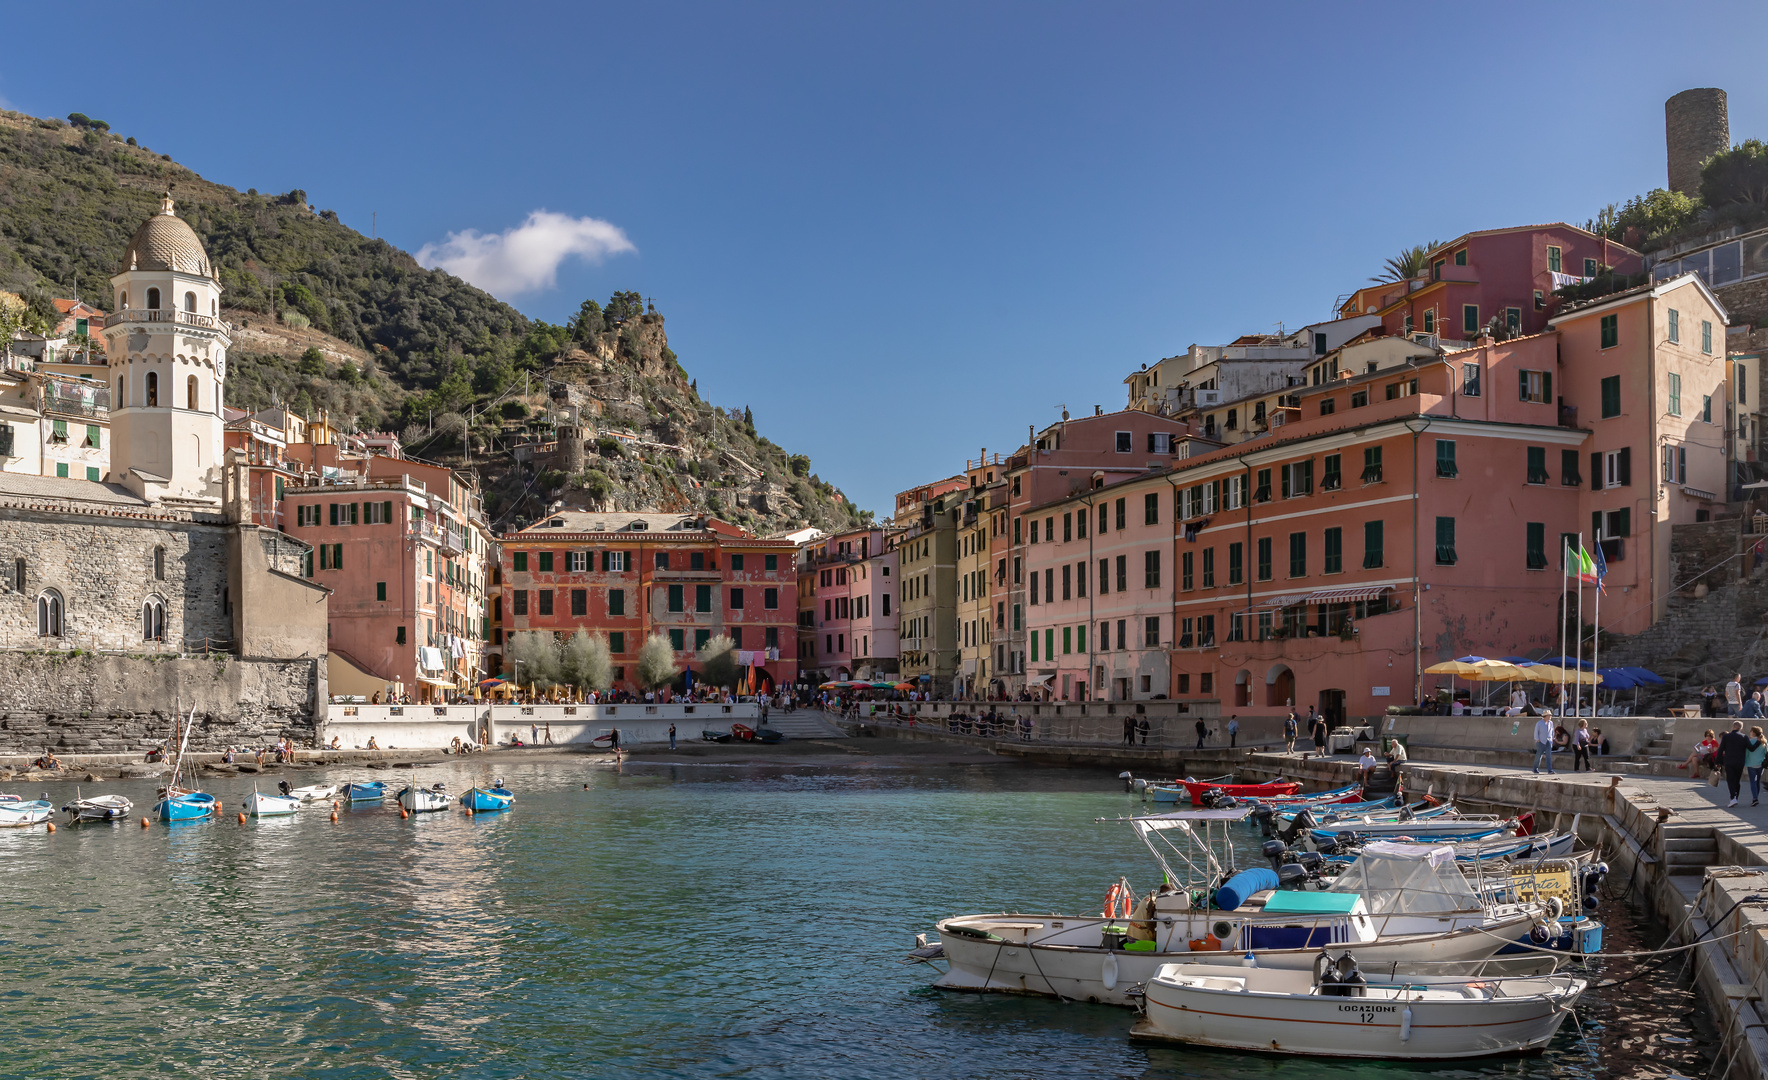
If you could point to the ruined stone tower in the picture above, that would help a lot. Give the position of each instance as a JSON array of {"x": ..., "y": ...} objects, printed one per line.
[{"x": 1695, "y": 128}]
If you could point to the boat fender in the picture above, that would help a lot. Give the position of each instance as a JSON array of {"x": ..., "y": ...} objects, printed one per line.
[
  {"x": 1591, "y": 902},
  {"x": 1555, "y": 908},
  {"x": 1406, "y": 1024},
  {"x": 1108, "y": 973},
  {"x": 1539, "y": 934},
  {"x": 1251, "y": 961}
]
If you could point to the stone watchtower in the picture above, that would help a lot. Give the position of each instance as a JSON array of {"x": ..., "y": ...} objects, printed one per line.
[
  {"x": 1695, "y": 128},
  {"x": 168, "y": 357}
]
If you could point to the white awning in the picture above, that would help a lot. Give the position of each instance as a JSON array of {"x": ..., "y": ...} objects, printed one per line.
[
  {"x": 1039, "y": 681},
  {"x": 1698, "y": 493}
]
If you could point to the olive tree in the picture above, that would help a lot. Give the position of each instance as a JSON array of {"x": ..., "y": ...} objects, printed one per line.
[{"x": 656, "y": 662}]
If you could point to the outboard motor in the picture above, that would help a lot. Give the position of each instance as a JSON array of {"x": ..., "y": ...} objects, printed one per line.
[
  {"x": 1304, "y": 820},
  {"x": 1293, "y": 876},
  {"x": 1406, "y": 813},
  {"x": 1211, "y": 799},
  {"x": 1129, "y": 781},
  {"x": 1328, "y": 846},
  {"x": 1265, "y": 816},
  {"x": 1278, "y": 852},
  {"x": 283, "y": 786},
  {"x": 1312, "y": 861}
]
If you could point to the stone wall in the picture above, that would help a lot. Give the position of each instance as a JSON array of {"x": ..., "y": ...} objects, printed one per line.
[
  {"x": 1699, "y": 547},
  {"x": 104, "y": 567},
  {"x": 1745, "y": 302},
  {"x": 124, "y": 704},
  {"x": 1695, "y": 128}
]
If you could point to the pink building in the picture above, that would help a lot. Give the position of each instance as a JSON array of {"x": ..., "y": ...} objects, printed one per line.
[
  {"x": 847, "y": 628},
  {"x": 1509, "y": 274}
]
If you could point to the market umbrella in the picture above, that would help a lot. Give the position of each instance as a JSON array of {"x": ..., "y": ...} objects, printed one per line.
[
  {"x": 1452, "y": 668},
  {"x": 1645, "y": 675},
  {"x": 1569, "y": 662},
  {"x": 903, "y": 686},
  {"x": 490, "y": 682}
]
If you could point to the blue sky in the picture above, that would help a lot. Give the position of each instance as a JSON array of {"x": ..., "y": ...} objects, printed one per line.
[{"x": 903, "y": 232}]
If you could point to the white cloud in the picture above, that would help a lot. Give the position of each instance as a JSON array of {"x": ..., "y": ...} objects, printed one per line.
[{"x": 527, "y": 257}]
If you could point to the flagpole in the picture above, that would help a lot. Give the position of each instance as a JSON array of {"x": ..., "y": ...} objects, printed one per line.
[
  {"x": 1579, "y": 636},
  {"x": 1596, "y": 630},
  {"x": 1565, "y": 565}
]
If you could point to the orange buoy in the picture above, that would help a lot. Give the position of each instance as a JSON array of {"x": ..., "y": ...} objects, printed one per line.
[
  {"x": 334, "y": 815},
  {"x": 334, "y": 804},
  {"x": 144, "y": 823},
  {"x": 469, "y": 811},
  {"x": 242, "y": 819},
  {"x": 402, "y": 812},
  {"x": 52, "y": 826}
]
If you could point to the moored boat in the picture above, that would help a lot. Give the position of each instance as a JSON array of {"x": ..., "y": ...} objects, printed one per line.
[
  {"x": 365, "y": 793},
  {"x": 312, "y": 793},
  {"x": 715, "y": 736},
  {"x": 97, "y": 808},
  {"x": 769, "y": 735},
  {"x": 19, "y": 813},
  {"x": 424, "y": 800},
  {"x": 177, "y": 803},
  {"x": 1336, "y": 1012},
  {"x": 259, "y": 804},
  {"x": 1268, "y": 789},
  {"x": 481, "y": 800}
]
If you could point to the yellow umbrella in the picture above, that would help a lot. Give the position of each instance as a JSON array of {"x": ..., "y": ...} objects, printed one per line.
[
  {"x": 1547, "y": 673},
  {"x": 1453, "y": 667},
  {"x": 1496, "y": 671}
]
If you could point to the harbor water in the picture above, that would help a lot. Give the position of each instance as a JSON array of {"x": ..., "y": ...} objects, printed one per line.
[{"x": 667, "y": 920}]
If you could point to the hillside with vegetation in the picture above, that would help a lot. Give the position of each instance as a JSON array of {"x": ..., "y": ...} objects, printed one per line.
[{"x": 327, "y": 319}]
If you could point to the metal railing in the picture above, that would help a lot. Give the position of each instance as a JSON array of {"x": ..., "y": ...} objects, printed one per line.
[{"x": 162, "y": 315}]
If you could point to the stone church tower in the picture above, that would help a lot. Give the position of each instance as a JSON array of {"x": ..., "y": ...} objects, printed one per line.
[{"x": 168, "y": 358}]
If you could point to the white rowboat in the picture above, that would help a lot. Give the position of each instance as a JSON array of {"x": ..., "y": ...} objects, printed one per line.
[
  {"x": 424, "y": 800},
  {"x": 259, "y": 804}
]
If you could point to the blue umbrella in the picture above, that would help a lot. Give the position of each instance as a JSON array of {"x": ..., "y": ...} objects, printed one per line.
[
  {"x": 1568, "y": 662},
  {"x": 1519, "y": 661},
  {"x": 1470, "y": 660},
  {"x": 1649, "y": 678},
  {"x": 1616, "y": 679}
]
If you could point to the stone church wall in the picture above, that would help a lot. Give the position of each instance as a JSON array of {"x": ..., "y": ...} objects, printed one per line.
[
  {"x": 123, "y": 704},
  {"x": 104, "y": 567}
]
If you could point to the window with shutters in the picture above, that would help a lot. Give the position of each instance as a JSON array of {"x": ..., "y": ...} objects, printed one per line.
[
  {"x": 1536, "y": 386},
  {"x": 1470, "y": 319},
  {"x": 1125, "y": 442},
  {"x": 1264, "y": 558},
  {"x": 577, "y": 562},
  {"x": 1445, "y": 541},
  {"x": 1209, "y": 568},
  {"x": 1611, "y": 331},
  {"x": 1151, "y": 569},
  {"x": 1675, "y": 402},
  {"x": 770, "y": 599},
  {"x": 546, "y": 562},
  {"x": 1675, "y": 465},
  {"x": 1236, "y": 563},
  {"x": 1372, "y": 544},
  {"x": 1537, "y": 472},
  {"x": 1617, "y": 468},
  {"x": 1611, "y": 396},
  {"x": 1185, "y": 559},
  {"x": 546, "y": 601},
  {"x": 736, "y": 598},
  {"x": 1298, "y": 554},
  {"x": 703, "y": 598},
  {"x": 579, "y": 602},
  {"x": 675, "y": 598},
  {"x": 1261, "y": 491},
  {"x": 521, "y": 601},
  {"x": 1675, "y": 326},
  {"x": 1359, "y": 398},
  {"x": 678, "y": 640},
  {"x": 616, "y": 601},
  {"x": 1445, "y": 459},
  {"x": 1535, "y": 539},
  {"x": 1123, "y": 573},
  {"x": 1555, "y": 262},
  {"x": 1151, "y": 509},
  {"x": 1706, "y": 337},
  {"x": 1371, "y": 465},
  {"x": 519, "y": 562},
  {"x": 1119, "y": 510},
  {"x": 1334, "y": 551},
  {"x": 1568, "y": 469}
]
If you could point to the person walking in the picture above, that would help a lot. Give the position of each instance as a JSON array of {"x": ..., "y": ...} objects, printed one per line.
[
  {"x": 672, "y": 736},
  {"x": 1752, "y": 762},
  {"x": 1142, "y": 726},
  {"x": 1734, "y": 695},
  {"x": 1290, "y": 726},
  {"x": 1734, "y": 748},
  {"x": 1317, "y": 729},
  {"x": 1202, "y": 732},
  {"x": 1544, "y": 743},
  {"x": 1581, "y": 746},
  {"x": 1233, "y": 730},
  {"x": 1129, "y": 731}
]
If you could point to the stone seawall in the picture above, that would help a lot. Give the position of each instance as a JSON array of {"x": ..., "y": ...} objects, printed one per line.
[{"x": 95, "y": 704}]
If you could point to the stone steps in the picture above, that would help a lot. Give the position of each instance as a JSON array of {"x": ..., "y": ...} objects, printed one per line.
[
  {"x": 804, "y": 724},
  {"x": 1689, "y": 851}
]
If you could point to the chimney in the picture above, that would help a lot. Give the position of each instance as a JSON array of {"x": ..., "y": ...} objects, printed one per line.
[{"x": 1098, "y": 410}]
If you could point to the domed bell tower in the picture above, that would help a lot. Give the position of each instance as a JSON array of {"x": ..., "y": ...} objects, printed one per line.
[{"x": 168, "y": 356}]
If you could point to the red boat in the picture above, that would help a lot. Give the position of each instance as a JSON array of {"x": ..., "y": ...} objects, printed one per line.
[
  {"x": 742, "y": 733},
  {"x": 1273, "y": 788}
]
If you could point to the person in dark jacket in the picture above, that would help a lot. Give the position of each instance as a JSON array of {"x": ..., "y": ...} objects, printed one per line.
[
  {"x": 1202, "y": 732},
  {"x": 1733, "y": 746}
]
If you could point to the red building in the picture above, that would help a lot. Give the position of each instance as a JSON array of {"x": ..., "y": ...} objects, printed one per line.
[
  {"x": 630, "y": 575},
  {"x": 1509, "y": 274}
]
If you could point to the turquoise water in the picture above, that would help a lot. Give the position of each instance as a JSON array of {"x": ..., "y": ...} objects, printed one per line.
[{"x": 669, "y": 921}]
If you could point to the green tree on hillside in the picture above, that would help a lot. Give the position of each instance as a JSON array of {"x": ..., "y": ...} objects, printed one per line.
[{"x": 1737, "y": 175}]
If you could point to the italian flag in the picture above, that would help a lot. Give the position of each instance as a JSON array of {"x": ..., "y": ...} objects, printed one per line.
[{"x": 1581, "y": 566}]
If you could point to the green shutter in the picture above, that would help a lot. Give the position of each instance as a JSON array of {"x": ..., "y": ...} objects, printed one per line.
[{"x": 1522, "y": 392}]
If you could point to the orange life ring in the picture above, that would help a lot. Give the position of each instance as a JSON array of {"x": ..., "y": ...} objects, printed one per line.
[{"x": 1112, "y": 896}]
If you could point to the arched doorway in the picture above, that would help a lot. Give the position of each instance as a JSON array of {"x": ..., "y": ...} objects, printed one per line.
[
  {"x": 1332, "y": 707},
  {"x": 1243, "y": 688},
  {"x": 1279, "y": 686}
]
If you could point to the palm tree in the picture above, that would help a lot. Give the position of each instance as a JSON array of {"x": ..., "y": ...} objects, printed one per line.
[{"x": 1408, "y": 264}]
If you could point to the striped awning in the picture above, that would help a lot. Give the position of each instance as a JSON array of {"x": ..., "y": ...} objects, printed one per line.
[
  {"x": 1348, "y": 596},
  {"x": 1698, "y": 493}
]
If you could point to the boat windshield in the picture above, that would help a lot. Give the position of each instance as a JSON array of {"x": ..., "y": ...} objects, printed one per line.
[{"x": 1398, "y": 879}]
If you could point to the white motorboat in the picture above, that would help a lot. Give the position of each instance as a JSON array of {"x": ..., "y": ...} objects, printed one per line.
[
  {"x": 17, "y": 813},
  {"x": 1100, "y": 958},
  {"x": 98, "y": 808},
  {"x": 424, "y": 800},
  {"x": 259, "y": 804},
  {"x": 1315, "y": 1013}
]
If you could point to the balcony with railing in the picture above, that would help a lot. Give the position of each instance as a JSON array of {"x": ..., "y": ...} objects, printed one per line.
[
  {"x": 172, "y": 316},
  {"x": 77, "y": 399}
]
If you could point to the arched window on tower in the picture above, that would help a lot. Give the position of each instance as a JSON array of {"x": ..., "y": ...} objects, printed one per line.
[
  {"x": 153, "y": 299},
  {"x": 123, "y": 301},
  {"x": 122, "y": 399},
  {"x": 153, "y": 389},
  {"x": 193, "y": 402},
  {"x": 49, "y": 611},
  {"x": 153, "y": 619},
  {"x": 190, "y": 302}
]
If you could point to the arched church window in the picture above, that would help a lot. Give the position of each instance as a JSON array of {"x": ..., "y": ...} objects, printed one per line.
[
  {"x": 153, "y": 619},
  {"x": 215, "y": 307},
  {"x": 190, "y": 302},
  {"x": 153, "y": 389},
  {"x": 153, "y": 299},
  {"x": 190, "y": 393},
  {"x": 122, "y": 391},
  {"x": 49, "y": 612},
  {"x": 123, "y": 301}
]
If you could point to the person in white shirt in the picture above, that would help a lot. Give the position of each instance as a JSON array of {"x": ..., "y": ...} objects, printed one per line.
[
  {"x": 1734, "y": 695},
  {"x": 1519, "y": 702},
  {"x": 1366, "y": 766},
  {"x": 1544, "y": 743}
]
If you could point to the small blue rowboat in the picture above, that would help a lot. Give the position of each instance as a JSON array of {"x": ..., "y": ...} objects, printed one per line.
[
  {"x": 374, "y": 792},
  {"x": 480, "y": 799},
  {"x": 185, "y": 806}
]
